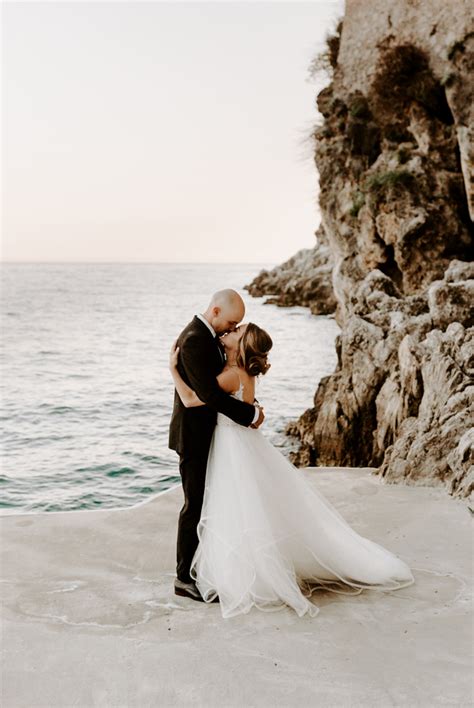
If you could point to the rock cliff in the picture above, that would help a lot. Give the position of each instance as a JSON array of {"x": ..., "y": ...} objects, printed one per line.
[
  {"x": 305, "y": 279},
  {"x": 395, "y": 160}
]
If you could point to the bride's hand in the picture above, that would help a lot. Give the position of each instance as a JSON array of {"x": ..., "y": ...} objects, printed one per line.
[{"x": 174, "y": 355}]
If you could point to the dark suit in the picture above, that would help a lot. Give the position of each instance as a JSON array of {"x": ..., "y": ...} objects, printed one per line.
[{"x": 191, "y": 429}]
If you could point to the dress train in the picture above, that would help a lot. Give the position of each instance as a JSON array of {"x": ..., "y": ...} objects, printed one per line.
[{"x": 268, "y": 539}]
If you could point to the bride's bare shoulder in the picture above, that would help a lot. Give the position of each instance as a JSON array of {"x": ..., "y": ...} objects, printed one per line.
[{"x": 229, "y": 380}]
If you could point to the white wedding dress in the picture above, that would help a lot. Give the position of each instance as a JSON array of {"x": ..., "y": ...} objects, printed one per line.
[{"x": 268, "y": 539}]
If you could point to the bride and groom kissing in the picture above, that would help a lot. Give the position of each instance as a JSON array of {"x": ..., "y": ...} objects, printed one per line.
[{"x": 252, "y": 531}]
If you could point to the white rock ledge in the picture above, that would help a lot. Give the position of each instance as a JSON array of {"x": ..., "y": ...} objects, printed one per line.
[{"x": 90, "y": 617}]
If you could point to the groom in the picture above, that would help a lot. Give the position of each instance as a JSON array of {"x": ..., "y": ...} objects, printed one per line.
[{"x": 201, "y": 358}]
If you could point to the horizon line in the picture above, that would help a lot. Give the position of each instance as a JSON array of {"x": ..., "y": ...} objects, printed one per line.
[{"x": 135, "y": 262}]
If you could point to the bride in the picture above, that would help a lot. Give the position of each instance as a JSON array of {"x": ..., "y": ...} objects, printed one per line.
[{"x": 266, "y": 537}]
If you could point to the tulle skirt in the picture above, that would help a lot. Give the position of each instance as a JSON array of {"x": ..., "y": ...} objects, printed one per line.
[{"x": 267, "y": 539}]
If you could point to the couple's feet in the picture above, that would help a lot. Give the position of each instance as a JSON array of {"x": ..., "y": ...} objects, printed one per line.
[{"x": 189, "y": 590}]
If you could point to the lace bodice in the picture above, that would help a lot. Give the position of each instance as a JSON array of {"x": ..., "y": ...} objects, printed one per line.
[{"x": 239, "y": 394}]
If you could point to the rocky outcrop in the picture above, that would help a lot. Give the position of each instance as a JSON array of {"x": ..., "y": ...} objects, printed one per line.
[
  {"x": 402, "y": 396},
  {"x": 304, "y": 279},
  {"x": 394, "y": 154}
]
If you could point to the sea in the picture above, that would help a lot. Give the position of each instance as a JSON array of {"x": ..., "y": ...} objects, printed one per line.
[{"x": 86, "y": 392}]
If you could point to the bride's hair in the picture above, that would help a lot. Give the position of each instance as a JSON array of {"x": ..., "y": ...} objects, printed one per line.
[{"x": 254, "y": 346}]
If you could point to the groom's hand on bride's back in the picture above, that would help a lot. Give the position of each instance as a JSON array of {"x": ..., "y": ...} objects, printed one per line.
[{"x": 260, "y": 419}]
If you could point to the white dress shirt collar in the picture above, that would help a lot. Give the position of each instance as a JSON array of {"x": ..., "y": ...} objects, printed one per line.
[{"x": 209, "y": 326}]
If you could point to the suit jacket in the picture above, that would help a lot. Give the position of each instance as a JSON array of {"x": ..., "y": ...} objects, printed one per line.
[{"x": 199, "y": 363}]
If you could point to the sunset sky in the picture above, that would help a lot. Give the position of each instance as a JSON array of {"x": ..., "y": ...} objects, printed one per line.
[{"x": 159, "y": 131}]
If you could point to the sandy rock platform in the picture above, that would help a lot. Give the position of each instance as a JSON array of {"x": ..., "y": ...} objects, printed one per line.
[{"x": 90, "y": 618}]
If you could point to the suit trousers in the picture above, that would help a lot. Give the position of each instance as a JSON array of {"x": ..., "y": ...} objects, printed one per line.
[{"x": 192, "y": 468}]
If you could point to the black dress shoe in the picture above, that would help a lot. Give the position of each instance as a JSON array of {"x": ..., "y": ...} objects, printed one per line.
[{"x": 189, "y": 590}]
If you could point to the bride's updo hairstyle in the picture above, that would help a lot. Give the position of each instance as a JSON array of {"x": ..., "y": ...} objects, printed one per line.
[{"x": 254, "y": 346}]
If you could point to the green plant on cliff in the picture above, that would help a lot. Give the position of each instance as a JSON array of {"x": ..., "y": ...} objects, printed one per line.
[
  {"x": 358, "y": 201},
  {"x": 393, "y": 178},
  {"x": 384, "y": 186},
  {"x": 376, "y": 185}
]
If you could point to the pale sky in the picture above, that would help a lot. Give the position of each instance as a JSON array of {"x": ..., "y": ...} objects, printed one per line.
[{"x": 159, "y": 131}]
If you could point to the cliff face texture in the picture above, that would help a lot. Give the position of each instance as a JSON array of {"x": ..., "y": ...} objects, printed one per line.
[{"x": 395, "y": 159}]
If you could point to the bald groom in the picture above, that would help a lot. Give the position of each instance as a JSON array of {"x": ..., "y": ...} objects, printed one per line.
[{"x": 201, "y": 358}]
